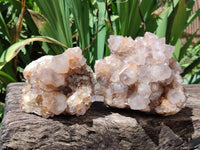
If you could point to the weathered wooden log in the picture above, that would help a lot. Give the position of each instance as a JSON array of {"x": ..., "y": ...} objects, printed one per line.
[{"x": 101, "y": 127}]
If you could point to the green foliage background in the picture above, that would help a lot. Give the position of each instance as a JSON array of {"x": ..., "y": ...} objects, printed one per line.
[{"x": 60, "y": 24}]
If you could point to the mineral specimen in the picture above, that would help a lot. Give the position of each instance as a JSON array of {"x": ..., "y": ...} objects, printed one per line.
[
  {"x": 142, "y": 75},
  {"x": 58, "y": 84}
]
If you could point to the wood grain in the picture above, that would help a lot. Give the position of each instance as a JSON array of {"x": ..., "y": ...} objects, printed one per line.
[{"x": 101, "y": 127}]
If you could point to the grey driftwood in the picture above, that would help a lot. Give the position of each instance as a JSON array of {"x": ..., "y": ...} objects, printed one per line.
[{"x": 101, "y": 127}]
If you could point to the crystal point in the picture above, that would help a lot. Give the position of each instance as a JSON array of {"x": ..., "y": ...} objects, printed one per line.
[
  {"x": 58, "y": 84},
  {"x": 142, "y": 75}
]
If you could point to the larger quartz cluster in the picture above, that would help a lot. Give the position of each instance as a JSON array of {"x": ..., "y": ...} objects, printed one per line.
[
  {"x": 58, "y": 84},
  {"x": 141, "y": 74}
]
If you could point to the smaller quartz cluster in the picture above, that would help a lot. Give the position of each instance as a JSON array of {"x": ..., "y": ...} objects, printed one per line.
[
  {"x": 58, "y": 84},
  {"x": 142, "y": 75}
]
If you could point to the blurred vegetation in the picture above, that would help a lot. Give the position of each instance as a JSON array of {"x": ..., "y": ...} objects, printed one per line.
[{"x": 59, "y": 24}]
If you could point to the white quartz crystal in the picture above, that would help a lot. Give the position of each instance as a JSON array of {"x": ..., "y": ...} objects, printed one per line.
[
  {"x": 141, "y": 74},
  {"x": 58, "y": 84}
]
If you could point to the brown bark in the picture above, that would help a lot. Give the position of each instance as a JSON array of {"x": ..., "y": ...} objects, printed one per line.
[{"x": 101, "y": 127}]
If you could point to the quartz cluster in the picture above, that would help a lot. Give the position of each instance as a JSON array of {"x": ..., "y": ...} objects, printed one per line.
[
  {"x": 141, "y": 74},
  {"x": 58, "y": 84}
]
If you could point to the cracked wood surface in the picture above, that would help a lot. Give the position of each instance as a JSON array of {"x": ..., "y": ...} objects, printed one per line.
[{"x": 101, "y": 127}]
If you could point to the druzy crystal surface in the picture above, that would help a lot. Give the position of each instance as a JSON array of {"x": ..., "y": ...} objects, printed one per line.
[
  {"x": 141, "y": 74},
  {"x": 58, "y": 84}
]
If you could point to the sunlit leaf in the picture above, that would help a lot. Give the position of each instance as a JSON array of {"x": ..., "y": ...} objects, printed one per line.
[
  {"x": 101, "y": 36},
  {"x": 162, "y": 23},
  {"x": 57, "y": 24},
  {"x": 192, "y": 18},
  {"x": 191, "y": 66},
  {"x": 178, "y": 23},
  {"x": 80, "y": 11},
  {"x": 185, "y": 46}
]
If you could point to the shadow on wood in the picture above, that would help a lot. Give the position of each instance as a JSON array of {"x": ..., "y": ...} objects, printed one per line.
[
  {"x": 153, "y": 123},
  {"x": 97, "y": 110}
]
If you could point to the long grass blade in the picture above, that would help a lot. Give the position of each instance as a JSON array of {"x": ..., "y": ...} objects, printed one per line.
[
  {"x": 101, "y": 36},
  {"x": 162, "y": 24},
  {"x": 6, "y": 78},
  {"x": 192, "y": 18},
  {"x": 8, "y": 68},
  {"x": 13, "y": 50},
  {"x": 177, "y": 49},
  {"x": 80, "y": 11},
  {"x": 191, "y": 66},
  {"x": 185, "y": 46},
  {"x": 4, "y": 28},
  {"x": 57, "y": 25},
  {"x": 178, "y": 23},
  {"x": 128, "y": 12}
]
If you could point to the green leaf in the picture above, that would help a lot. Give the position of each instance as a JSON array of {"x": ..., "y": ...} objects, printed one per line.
[
  {"x": 8, "y": 68},
  {"x": 80, "y": 11},
  {"x": 191, "y": 66},
  {"x": 178, "y": 20},
  {"x": 57, "y": 24},
  {"x": 192, "y": 17},
  {"x": 178, "y": 23},
  {"x": 4, "y": 28},
  {"x": 162, "y": 24},
  {"x": 145, "y": 9},
  {"x": 114, "y": 17},
  {"x": 1, "y": 48},
  {"x": 13, "y": 50},
  {"x": 38, "y": 18},
  {"x": 173, "y": 5},
  {"x": 185, "y": 46},
  {"x": 133, "y": 15},
  {"x": 4, "y": 6},
  {"x": 6, "y": 78},
  {"x": 193, "y": 79},
  {"x": 34, "y": 21},
  {"x": 2, "y": 105},
  {"x": 128, "y": 14},
  {"x": 177, "y": 49},
  {"x": 15, "y": 3},
  {"x": 101, "y": 36}
]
